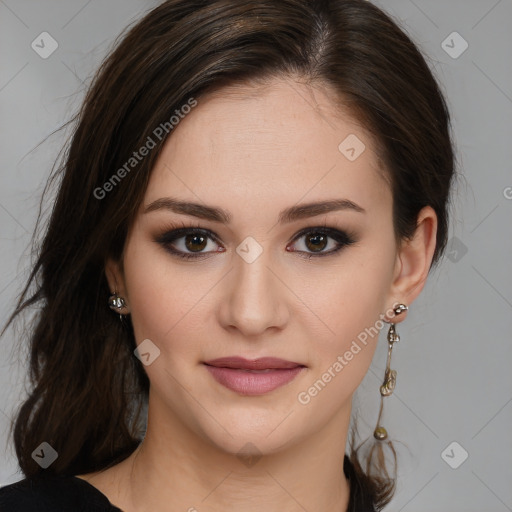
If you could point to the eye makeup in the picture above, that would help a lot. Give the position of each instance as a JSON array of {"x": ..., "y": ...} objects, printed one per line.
[{"x": 319, "y": 234}]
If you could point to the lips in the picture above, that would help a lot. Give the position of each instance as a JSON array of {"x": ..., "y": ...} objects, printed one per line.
[
  {"x": 263, "y": 363},
  {"x": 253, "y": 377}
]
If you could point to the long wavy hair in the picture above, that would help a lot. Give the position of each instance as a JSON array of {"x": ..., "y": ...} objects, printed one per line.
[{"x": 87, "y": 390}]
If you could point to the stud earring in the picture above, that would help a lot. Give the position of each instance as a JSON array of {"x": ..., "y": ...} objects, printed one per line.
[
  {"x": 116, "y": 303},
  {"x": 388, "y": 386}
]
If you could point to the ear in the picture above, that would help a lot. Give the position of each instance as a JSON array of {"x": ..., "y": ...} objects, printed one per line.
[
  {"x": 115, "y": 278},
  {"x": 413, "y": 261}
]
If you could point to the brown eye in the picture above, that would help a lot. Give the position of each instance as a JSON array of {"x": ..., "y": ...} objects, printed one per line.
[
  {"x": 195, "y": 242},
  {"x": 316, "y": 242},
  {"x": 188, "y": 243}
]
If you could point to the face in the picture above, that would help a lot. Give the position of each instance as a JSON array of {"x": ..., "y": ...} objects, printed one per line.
[{"x": 302, "y": 288}]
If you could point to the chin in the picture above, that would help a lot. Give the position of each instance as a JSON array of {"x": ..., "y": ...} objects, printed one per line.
[
  {"x": 249, "y": 434},
  {"x": 244, "y": 445}
]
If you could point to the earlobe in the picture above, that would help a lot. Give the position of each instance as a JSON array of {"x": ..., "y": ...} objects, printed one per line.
[
  {"x": 415, "y": 257},
  {"x": 117, "y": 300},
  {"x": 114, "y": 276}
]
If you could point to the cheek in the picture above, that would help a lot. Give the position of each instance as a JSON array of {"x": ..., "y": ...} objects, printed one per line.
[
  {"x": 354, "y": 292},
  {"x": 153, "y": 291},
  {"x": 348, "y": 317},
  {"x": 165, "y": 301},
  {"x": 352, "y": 327}
]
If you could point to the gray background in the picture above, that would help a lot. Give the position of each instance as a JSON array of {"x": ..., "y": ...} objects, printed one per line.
[{"x": 454, "y": 381}]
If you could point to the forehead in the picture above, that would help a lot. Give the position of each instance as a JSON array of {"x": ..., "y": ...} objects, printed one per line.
[{"x": 281, "y": 142}]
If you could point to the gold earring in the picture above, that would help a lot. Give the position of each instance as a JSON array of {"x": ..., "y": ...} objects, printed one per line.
[{"x": 388, "y": 386}]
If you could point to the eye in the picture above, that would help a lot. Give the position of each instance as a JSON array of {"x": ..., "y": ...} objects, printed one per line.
[
  {"x": 316, "y": 239},
  {"x": 195, "y": 242},
  {"x": 188, "y": 242}
]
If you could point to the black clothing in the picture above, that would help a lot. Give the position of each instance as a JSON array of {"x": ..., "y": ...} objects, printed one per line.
[
  {"x": 50, "y": 493},
  {"x": 53, "y": 494}
]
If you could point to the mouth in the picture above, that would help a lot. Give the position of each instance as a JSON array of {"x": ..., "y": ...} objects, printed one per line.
[{"x": 253, "y": 377}]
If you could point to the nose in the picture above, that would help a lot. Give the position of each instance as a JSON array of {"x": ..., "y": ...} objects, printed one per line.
[{"x": 255, "y": 298}]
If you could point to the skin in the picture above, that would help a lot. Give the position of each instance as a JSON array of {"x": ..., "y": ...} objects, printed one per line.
[{"x": 254, "y": 151}]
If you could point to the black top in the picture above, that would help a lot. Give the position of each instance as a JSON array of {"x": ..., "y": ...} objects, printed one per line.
[{"x": 50, "y": 493}]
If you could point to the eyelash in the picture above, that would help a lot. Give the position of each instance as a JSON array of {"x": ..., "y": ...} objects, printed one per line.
[{"x": 166, "y": 239}]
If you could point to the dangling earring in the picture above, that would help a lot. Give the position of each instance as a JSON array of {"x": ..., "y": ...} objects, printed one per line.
[
  {"x": 389, "y": 383},
  {"x": 116, "y": 303}
]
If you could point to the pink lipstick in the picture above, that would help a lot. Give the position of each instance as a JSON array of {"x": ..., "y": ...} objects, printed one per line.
[{"x": 253, "y": 377}]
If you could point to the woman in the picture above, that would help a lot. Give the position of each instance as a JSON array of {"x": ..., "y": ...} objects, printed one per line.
[{"x": 252, "y": 191}]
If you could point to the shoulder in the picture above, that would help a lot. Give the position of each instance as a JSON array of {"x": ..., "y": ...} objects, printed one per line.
[{"x": 53, "y": 493}]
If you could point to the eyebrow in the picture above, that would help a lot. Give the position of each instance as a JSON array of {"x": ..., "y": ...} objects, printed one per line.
[{"x": 223, "y": 216}]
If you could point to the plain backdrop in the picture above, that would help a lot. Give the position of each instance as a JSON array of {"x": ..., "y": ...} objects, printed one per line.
[{"x": 452, "y": 407}]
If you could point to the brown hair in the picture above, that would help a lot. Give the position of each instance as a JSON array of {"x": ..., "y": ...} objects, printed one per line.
[{"x": 88, "y": 389}]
